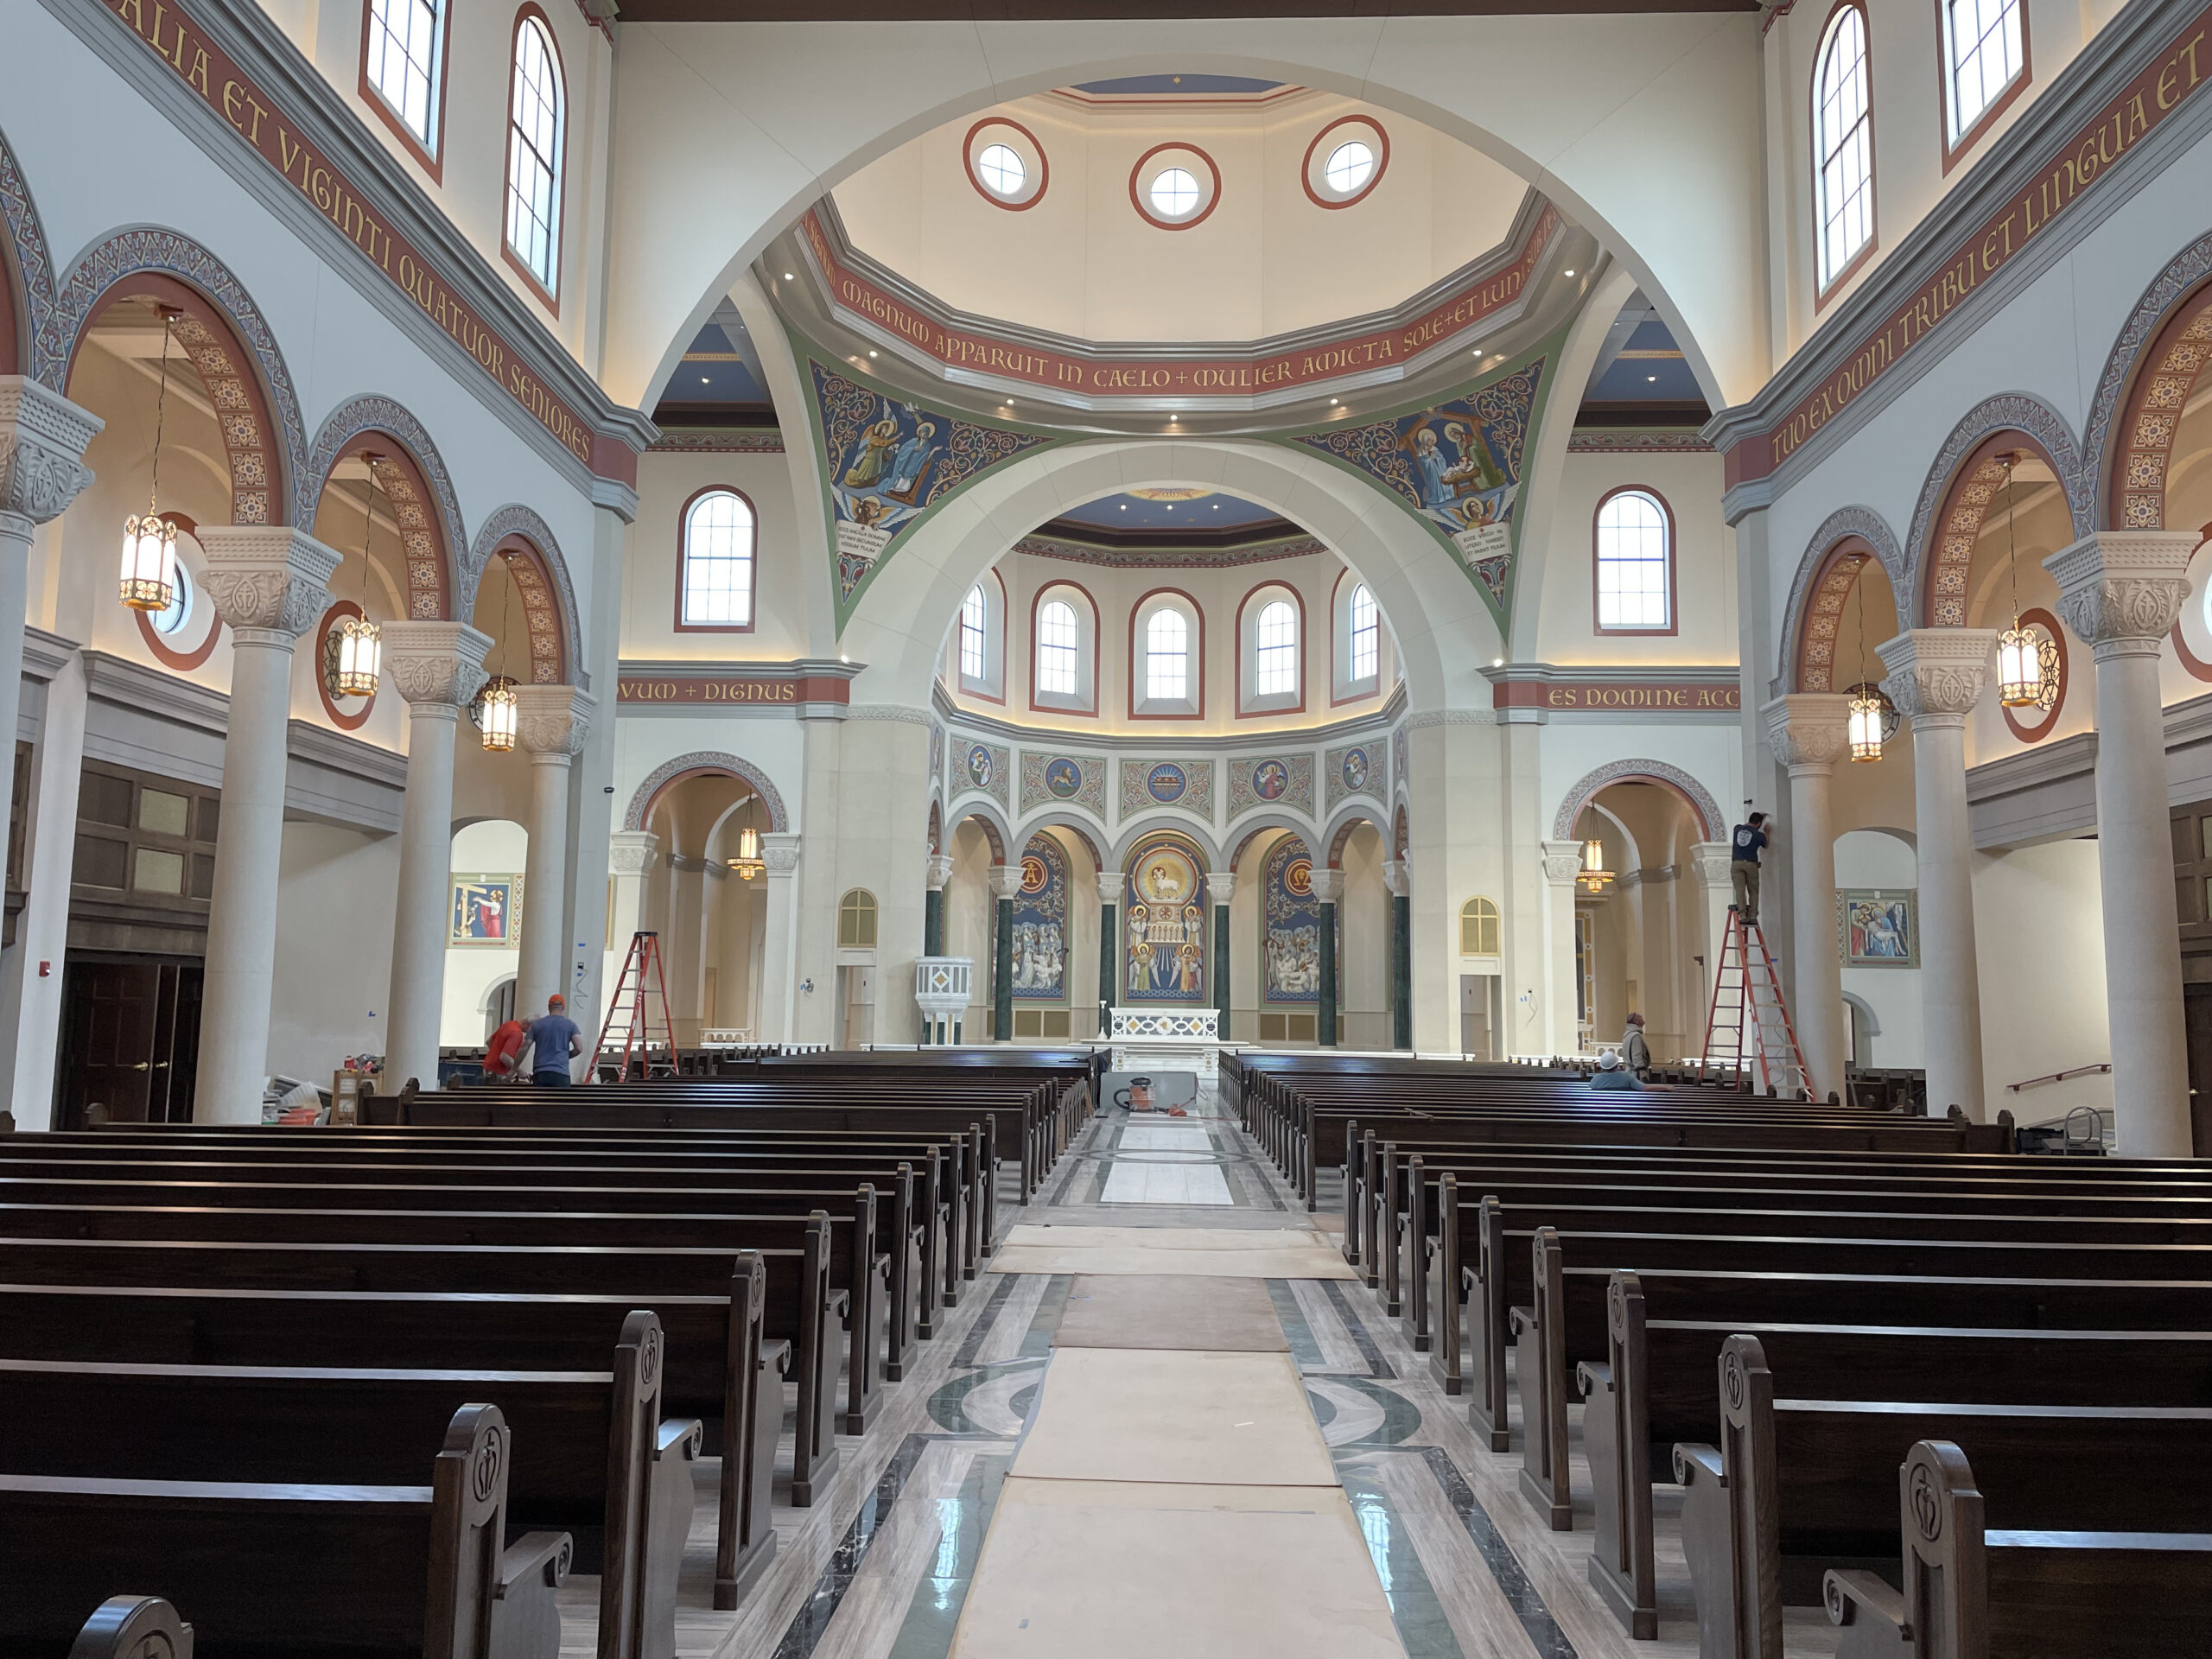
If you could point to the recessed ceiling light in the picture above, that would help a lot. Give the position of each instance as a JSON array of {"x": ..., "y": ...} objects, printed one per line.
[
  {"x": 1570, "y": 270},
  {"x": 1125, "y": 506},
  {"x": 704, "y": 381},
  {"x": 871, "y": 353},
  {"x": 1171, "y": 506},
  {"x": 1500, "y": 662},
  {"x": 790, "y": 278},
  {"x": 1653, "y": 379},
  {"x": 1334, "y": 402}
]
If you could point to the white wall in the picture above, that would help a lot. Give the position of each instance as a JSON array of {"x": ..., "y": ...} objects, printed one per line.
[
  {"x": 333, "y": 948},
  {"x": 1868, "y": 858},
  {"x": 493, "y": 847},
  {"x": 2039, "y": 931}
]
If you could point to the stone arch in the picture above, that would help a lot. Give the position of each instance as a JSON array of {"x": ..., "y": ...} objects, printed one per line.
[
  {"x": 1955, "y": 499},
  {"x": 1083, "y": 835},
  {"x": 542, "y": 577},
  {"x": 1848, "y": 530},
  {"x": 1153, "y": 826},
  {"x": 936, "y": 824},
  {"x": 231, "y": 347},
  {"x": 413, "y": 477},
  {"x": 26, "y": 271},
  {"x": 1249, "y": 829},
  {"x": 1341, "y": 827},
  {"x": 993, "y": 823},
  {"x": 1693, "y": 794},
  {"x": 2161, "y": 350},
  {"x": 702, "y": 763}
]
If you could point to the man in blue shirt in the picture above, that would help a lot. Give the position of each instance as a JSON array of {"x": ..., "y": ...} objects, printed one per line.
[
  {"x": 555, "y": 1041},
  {"x": 1612, "y": 1074},
  {"x": 1744, "y": 867}
]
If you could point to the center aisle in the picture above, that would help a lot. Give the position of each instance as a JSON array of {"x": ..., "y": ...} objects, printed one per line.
[{"x": 1171, "y": 1493}]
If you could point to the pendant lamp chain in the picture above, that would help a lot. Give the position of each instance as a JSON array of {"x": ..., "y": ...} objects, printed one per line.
[
  {"x": 357, "y": 643},
  {"x": 2019, "y": 654},
  {"x": 1868, "y": 706},
  {"x": 493, "y": 710}
]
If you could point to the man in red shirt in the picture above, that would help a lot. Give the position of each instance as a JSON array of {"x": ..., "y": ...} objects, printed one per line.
[{"x": 505, "y": 1048}]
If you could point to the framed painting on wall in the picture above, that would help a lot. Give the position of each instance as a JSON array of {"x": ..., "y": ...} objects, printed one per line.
[
  {"x": 485, "y": 910},
  {"x": 1878, "y": 927}
]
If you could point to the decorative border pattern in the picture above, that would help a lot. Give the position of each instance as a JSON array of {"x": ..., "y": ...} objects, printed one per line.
[
  {"x": 1340, "y": 766},
  {"x": 255, "y": 490},
  {"x": 1598, "y": 441},
  {"x": 27, "y": 242},
  {"x": 1843, "y": 524},
  {"x": 1618, "y": 771},
  {"x": 768, "y": 443},
  {"x": 429, "y": 549},
  {"x": 1190, "y": 558},
  {"x": 1824, "y": 620},
  {"x": 2148, "y": 320},
  {"x": 547, "y": 634},
  {"x": 1090, "y": 780},
  {"x": 1197, "y": 798},
  {"x": 1296, "y": 794},
  {"x": 1964, "y": 502},
  {"x": 779, "y": 822}
]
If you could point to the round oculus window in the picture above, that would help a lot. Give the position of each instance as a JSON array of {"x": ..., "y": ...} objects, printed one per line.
[
  {"x": 1174, "y": 193},
  {"x": 1002, "y": 171},
  {"x": 178, "y": 611},
  {"x": 1350, "y": 166}
]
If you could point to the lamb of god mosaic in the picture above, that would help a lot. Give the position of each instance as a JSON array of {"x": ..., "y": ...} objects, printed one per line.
[{"x": 1166, "y": 929}]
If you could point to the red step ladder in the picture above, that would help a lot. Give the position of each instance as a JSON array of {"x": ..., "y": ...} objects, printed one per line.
[
  {"x": 1748, "y": 1008},
  {"x": 626, "y": 1014}
]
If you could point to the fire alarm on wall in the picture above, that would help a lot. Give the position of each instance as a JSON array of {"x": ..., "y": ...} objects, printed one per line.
[{"x": 46, "y": 971}]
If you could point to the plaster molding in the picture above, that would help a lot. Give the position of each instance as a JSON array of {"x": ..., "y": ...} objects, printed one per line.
[
  {"x": 1398, "y": 877},
  {"x": 271, "y": 578},
  {"x": 1616, "y": 772},
  {"x": 938, "y": 871},
  {"x": 27, "y": 243},
  {"x": 1844, "y": 523},
  {"x": 1711, "y": 859},
  {"x": 436, "y": 664},
  {"x": 45, "y": 655},
  {"x": 631, "y": 852},
  {"x": 1329, "y": 886},
  {"x": 2120, "y": 591},
  {"x": 1421, "y": 722},
  {"x": 42, "y": 440},
  {"x": 2188, "y": 269},
  {"x": 779, "y": 852},
  {"x": 1562, "y": 861},
  {"x": 516, "y": 519},
  {"x": 779, "y": 820},
  {"x": 552, "y": 721},
  {"x": 1006, "y": 882},
  {"x": 1937, "y": 671},
  {"x": 1221, "y": 885},
  {"x": 355, "y": 419},
  {"x": 1809, "y": 730},
  {"x": 1160, "y": 746},
  {"x": 1929, "y": 546},
  {"x": 893, "y": 711}
]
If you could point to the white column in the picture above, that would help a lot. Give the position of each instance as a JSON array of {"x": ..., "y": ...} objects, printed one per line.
[
  {"x": 269, "y": 584},
  {"x": 684, "y": 947},
  {"x": 1807, "y": 730},
  {"x": 550, "y": 724},
  {"x": 42, "y": 439},
  {"x": 1562, "y": 861},
  {"x": 779, "y": 944},
  {"x": 2121, "y": 591},
  {"x": 1717, "y": 893},
  {"x": 1937, "y": 676},
  {"x": 436, "y": 667}
]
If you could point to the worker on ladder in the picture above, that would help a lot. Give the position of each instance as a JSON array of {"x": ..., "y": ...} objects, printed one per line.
[{"x": 1751, "y": 838}]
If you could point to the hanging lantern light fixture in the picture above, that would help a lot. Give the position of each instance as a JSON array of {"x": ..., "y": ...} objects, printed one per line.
[
  {"x": 1864, "y": 726},
  {"x": 493, "y": 708},
  {"x": 148, "y": 580},
  {"x": 356, "y": 645},
  {"x": 2019, "y": 654},
  {"x": 1593, "y": 877},
  {"x": 748, "y": 862}
]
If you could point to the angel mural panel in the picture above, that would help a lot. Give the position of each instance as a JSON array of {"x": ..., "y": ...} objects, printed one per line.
[
  {"x": 1290, "y": 926},
  {"x": 888, "y": 460},
  {"x": 1458, "y": 464},
  {"x": 1165, "y": 930}
]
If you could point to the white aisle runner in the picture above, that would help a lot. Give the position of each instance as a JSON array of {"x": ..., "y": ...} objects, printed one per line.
[{"x": 1159, "y": 1174}]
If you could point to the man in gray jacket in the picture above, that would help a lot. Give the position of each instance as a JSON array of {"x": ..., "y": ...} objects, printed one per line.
[{"x": 1636, "y": 1054}]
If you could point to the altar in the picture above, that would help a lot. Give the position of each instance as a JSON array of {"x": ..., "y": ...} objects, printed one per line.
[{"x": 1165, "y": 1040}]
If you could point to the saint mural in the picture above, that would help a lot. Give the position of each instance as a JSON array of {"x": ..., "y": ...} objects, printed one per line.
[
  {"x": 1290, "y": 940},
  {"x": 1165, "y": 928},
  {"x": 1040, "y": 924}
]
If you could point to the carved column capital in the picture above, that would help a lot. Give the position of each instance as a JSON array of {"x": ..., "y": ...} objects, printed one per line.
[
  {"x": 551, "y": 722},
  {"x": 2120, "y": 590},
  {"x": 1005, "y": 881},
  {"x": 779, "y": 852},
  {"x": 1109, "y": 886},
  {"x": 1711, "y": 860},
  {"x": 435, "y": 663},
  {"x": 630, "y": 852},
  {"x": 1937, "y": 672},
  {"x": 938, "y": 871},
  {"x": 1563, "y": 862},
  {"x": 269, "y": 583},
  {"x": 1328, "y": 886},
  {"x": 42, "y": 439},
  {"x": 1809, "y": 730},
  {"x": 1221, "y": 885},
  {"x": 1398, "y": 877}
]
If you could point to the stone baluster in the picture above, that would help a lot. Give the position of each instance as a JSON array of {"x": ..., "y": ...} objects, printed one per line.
[
  {"x": 269, "y": 584},
  {"x": 437, "y": 667},
  {"x": 2120, "y": 591}
]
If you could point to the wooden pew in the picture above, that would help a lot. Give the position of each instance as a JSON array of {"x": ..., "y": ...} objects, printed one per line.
[
  {"x": 2015, "y": 1593},
  {"x": 1655, "y": 1388},
  {"x": 715, "y": 1359},
  {"x": 320, "y": 1568},
  {"x": 602, "y": 1462},
  {"x": 1796, "y": 1486}
]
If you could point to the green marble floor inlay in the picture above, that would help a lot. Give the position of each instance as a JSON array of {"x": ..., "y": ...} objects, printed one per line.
[
  {"x": 1416, "y": 1608},
  {"x": 933, "y": 1611}
]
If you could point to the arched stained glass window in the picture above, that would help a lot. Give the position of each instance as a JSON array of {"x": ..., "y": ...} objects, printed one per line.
[
  {"x": 1634, "y": 582},
  {"x": 537, "y": 133},
  {"x": 1843, "y": 146}
]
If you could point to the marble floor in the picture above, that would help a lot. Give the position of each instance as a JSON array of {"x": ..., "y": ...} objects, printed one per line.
[{"x": 1137, "y": 1524}]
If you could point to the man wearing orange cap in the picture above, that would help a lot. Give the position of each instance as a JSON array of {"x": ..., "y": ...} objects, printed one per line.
[{"x": 555, "y": 1042}]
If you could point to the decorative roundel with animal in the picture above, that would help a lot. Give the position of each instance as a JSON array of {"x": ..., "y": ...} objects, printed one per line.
[
  {"x": 1062, "y": 778},
  {"x": 1269, "y": 779},
  {"x": 979, "y": 766},
  {"x": 1297, "y": 877},
  {"x": 1034, "y": 876},
  {"x": 1356, "y": 768},
  {"x": 1165, "y": 783}
]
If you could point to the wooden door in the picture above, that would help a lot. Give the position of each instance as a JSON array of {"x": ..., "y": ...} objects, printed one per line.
[
  {"x": 2197, "y": 1004},
  {"x": 110, "y": 1012}
]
